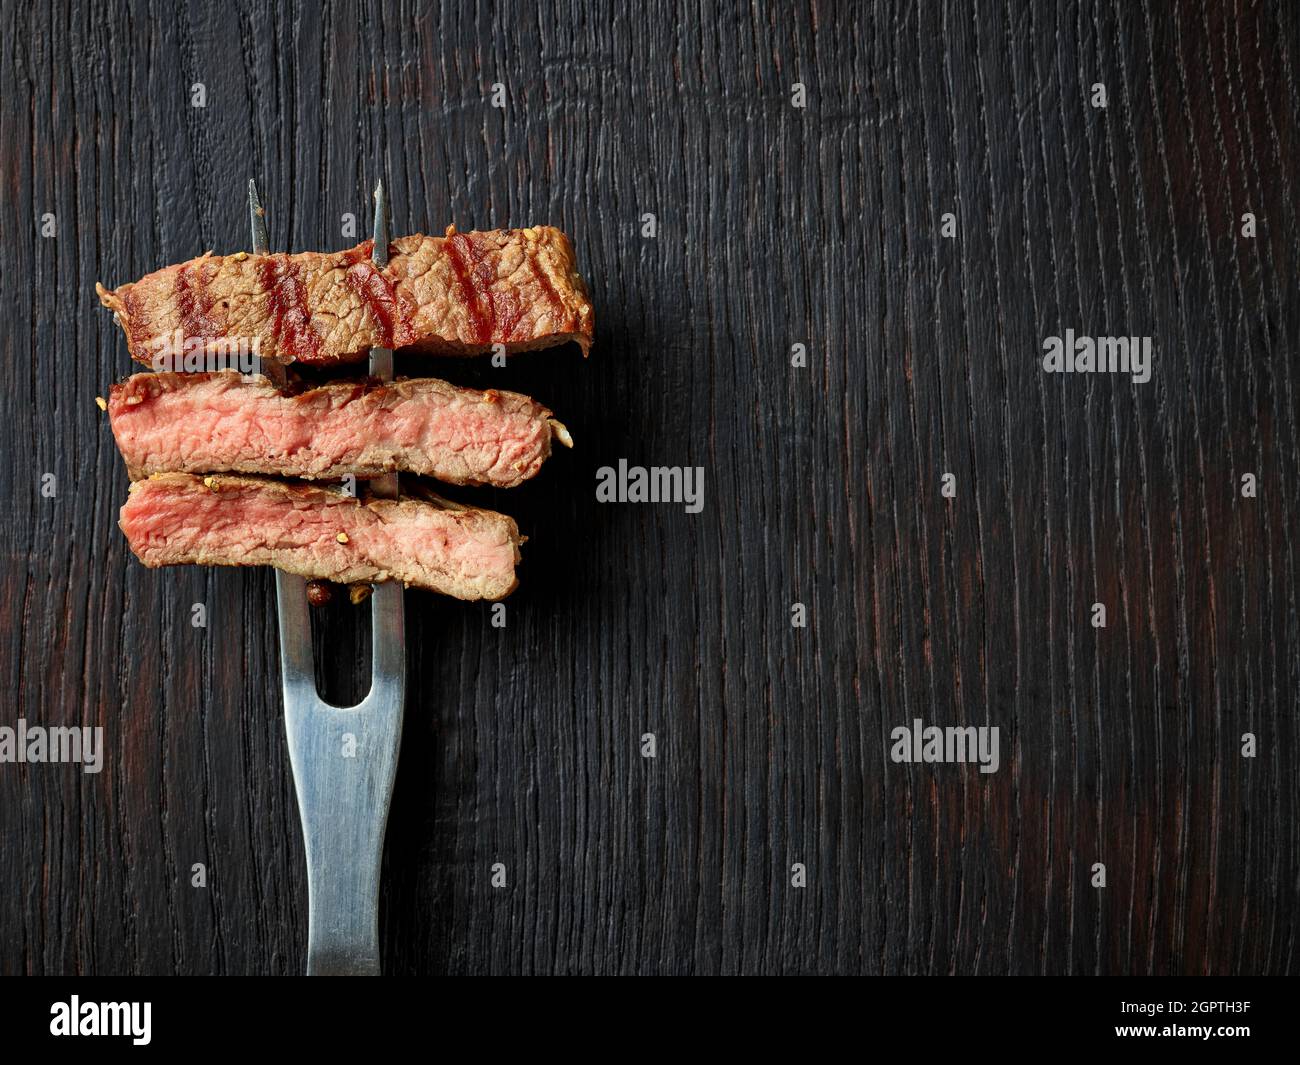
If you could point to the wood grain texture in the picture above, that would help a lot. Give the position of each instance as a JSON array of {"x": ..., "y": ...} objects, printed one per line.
[{"x": 777, "y": 226}]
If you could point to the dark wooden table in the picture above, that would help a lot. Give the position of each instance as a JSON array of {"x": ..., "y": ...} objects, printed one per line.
[{"x": 777, "y": 225}]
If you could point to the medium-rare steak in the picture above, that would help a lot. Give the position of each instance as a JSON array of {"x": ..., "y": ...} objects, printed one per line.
[
  {"x": 176, "y": 518},
  {"x": 456, "y": 295},
  {"x": 222, "y": 422}
]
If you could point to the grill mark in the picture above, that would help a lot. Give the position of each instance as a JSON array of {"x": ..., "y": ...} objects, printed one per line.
[
  {"x": 287, "y": 299},
  {"x": 184, "y": 298},
  {"x": 135, "y": 329},
  {"x": 460, "y": 253},
  {"x": 507, "y": 311},
  {"x": 377, "y": 293},
  {"x": 194, "y": 302},
  {"x": 552, "y": 296}
]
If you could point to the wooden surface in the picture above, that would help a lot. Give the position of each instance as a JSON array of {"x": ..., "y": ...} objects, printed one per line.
[{"x": 777, "y": 225}]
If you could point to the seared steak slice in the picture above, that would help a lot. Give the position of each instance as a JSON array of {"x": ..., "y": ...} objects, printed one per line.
[
  {"x": 175, "y": 518},
  {"x": 204, "y": 423},
  {"x": 453, "y": 295}
]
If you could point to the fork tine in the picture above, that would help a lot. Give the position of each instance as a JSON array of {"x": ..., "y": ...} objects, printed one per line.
[
  {"x": 387, "y": 610},
  {"x": 270, "y": 368},
  {"x": 342, "y": 802},
  {"x": 296, "y": 672},
  {"x": 381, "y": 359},
  {"x": 257, "y": 220},
  {"x": 380, "y": 230}
]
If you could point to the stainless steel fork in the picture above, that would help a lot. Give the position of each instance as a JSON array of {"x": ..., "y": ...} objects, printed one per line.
[{"x": 344, "y": 758}]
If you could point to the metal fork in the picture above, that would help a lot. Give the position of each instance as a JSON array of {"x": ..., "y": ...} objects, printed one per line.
[{"x": 344, "y": 758}]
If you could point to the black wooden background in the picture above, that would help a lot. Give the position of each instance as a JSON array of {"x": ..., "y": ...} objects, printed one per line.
[{"x": 777, "y": 226}]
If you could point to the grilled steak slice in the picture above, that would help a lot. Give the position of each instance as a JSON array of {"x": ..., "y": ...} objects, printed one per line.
[
  {"x": 453, "y": 295},
  {"x": 222, "y": 422},
  {"x": 175, "y": 518}
]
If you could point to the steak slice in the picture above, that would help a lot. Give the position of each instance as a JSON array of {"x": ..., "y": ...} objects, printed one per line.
[
  {"x": 223, "y": 422},
  {"x": 453, "y": 295},
  {"x": 175, "y": 518}
]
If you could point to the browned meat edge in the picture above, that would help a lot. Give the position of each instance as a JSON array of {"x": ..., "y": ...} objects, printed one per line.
[{"x": 460, "y": 294}]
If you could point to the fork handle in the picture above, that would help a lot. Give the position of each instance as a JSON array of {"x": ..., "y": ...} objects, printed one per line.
[{"x": 344, "y": 762}]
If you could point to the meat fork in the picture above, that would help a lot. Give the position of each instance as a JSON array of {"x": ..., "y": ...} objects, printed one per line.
[{"x": 344, "y": 758}]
